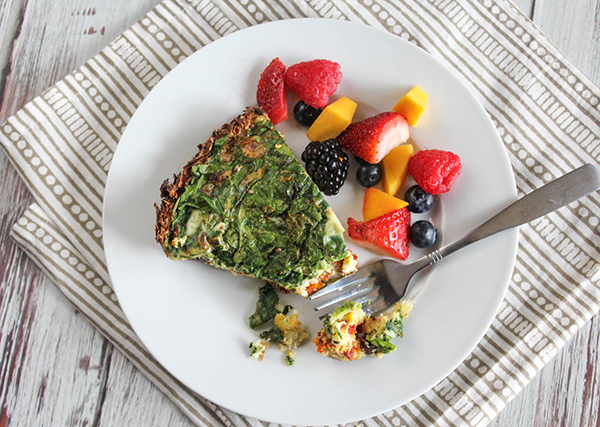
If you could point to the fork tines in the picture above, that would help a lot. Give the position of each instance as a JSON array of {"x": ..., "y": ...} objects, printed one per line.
[
  {"x": 365, "y": 287},
  {"x": 360, "y": 289},
  {"x": 371, "y": 301},
  {"x": 357, "y": 278}
]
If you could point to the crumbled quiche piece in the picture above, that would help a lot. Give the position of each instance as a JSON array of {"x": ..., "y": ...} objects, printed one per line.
[
  {"x": 348, "y": 334},
  {"x": 287, "y": 332}
]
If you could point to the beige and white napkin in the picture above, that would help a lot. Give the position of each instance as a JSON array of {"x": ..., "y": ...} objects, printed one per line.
[{"x": 545, "y": 110}]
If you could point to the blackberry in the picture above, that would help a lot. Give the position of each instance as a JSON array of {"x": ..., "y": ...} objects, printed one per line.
[{"x": 327, "y": 165}]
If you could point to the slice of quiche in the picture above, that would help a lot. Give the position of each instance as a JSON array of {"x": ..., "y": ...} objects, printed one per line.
[{"x": 245, "y": 204}]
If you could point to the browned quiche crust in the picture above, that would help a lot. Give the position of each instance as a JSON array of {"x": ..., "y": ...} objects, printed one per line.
[{"x": 170, "y": 192}]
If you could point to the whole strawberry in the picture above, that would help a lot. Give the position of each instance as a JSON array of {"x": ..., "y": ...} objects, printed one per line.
[
  {"x": 373, "y": 138},
  {"x": 270, "y": 93},
  {"x": 387, "y": 235},
  {"x": 314, "y": 81},
  {"x": 435, "y": 170}
]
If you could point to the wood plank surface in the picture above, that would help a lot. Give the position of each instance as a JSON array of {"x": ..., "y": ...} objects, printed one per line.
[{"x": 57, "y": 370}]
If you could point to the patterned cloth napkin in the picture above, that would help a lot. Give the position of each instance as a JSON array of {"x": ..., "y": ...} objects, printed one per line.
[{"x": 545, "y": 110}]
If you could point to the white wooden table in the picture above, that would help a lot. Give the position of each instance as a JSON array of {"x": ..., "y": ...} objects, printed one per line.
[{"x": 57, "y": 370}]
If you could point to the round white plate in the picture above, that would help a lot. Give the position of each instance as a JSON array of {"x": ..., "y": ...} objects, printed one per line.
[{"x": 193, "y": 318}]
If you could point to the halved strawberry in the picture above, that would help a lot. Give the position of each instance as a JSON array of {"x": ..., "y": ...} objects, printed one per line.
[
  {"x": 387, "y": 235},
  {"x": 372, "y": 138},
  {"x": 270, "y": 92}
]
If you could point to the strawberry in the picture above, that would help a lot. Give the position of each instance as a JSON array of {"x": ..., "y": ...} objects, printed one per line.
[
  {"x": 387, "y": 235},
  {"x": 313, "y": 81},
  {"x": 270, "y": 92},
  {"x": 372, "y": 138}
]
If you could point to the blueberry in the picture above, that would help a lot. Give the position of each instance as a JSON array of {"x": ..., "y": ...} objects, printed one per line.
[
  {"x": 419, "y": 201},
  {"x": 368, "y": 175},
  {"x": 305, "y": 114},
  {"x": 422, "y": 234}
]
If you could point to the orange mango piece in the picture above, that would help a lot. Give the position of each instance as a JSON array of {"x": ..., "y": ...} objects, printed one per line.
[
  {"x": 395, "y": 168},
  {"x": 412, "y": 105},
  {"x": 378, "y": 203},
  {"x": 333, "y": 120}
]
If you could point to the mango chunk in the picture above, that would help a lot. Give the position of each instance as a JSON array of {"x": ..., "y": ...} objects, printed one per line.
[
  {"x": 412, "y": 105},
  {"x": 334, "y": 119},
  {"x": 378, "y": 203},
  {"x": 395, "y": 168}
]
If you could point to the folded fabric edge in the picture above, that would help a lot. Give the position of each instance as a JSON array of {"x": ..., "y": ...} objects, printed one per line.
[
  {"x": 539, "y": 34},
  {"x": 37, "y": 236},
  {"x": 32, "y": 181}
]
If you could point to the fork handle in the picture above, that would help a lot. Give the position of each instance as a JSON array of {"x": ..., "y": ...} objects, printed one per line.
[{"x": 556, "y": 194}]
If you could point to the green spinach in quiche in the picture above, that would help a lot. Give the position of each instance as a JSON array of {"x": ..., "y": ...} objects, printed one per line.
[
  {"x": 378, "y": 337},
  {"x": 245, "y": 204},
  {"x": 267, "y": 306}
]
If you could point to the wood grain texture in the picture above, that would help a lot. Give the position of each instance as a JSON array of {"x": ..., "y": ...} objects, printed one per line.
[
  {"x": 56, "y": 369},
  {"x": 11, "y": 20},
  {"x": 575, "y": 28}
]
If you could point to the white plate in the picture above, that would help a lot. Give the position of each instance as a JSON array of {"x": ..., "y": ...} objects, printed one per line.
[{"x": 193, "y": 317}]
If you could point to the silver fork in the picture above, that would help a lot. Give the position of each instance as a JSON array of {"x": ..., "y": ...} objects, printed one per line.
[{"x": 387, "y": 280}]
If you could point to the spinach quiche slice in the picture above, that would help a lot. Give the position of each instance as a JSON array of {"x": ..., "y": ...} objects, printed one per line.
[{"x": 245, "y": 204}]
